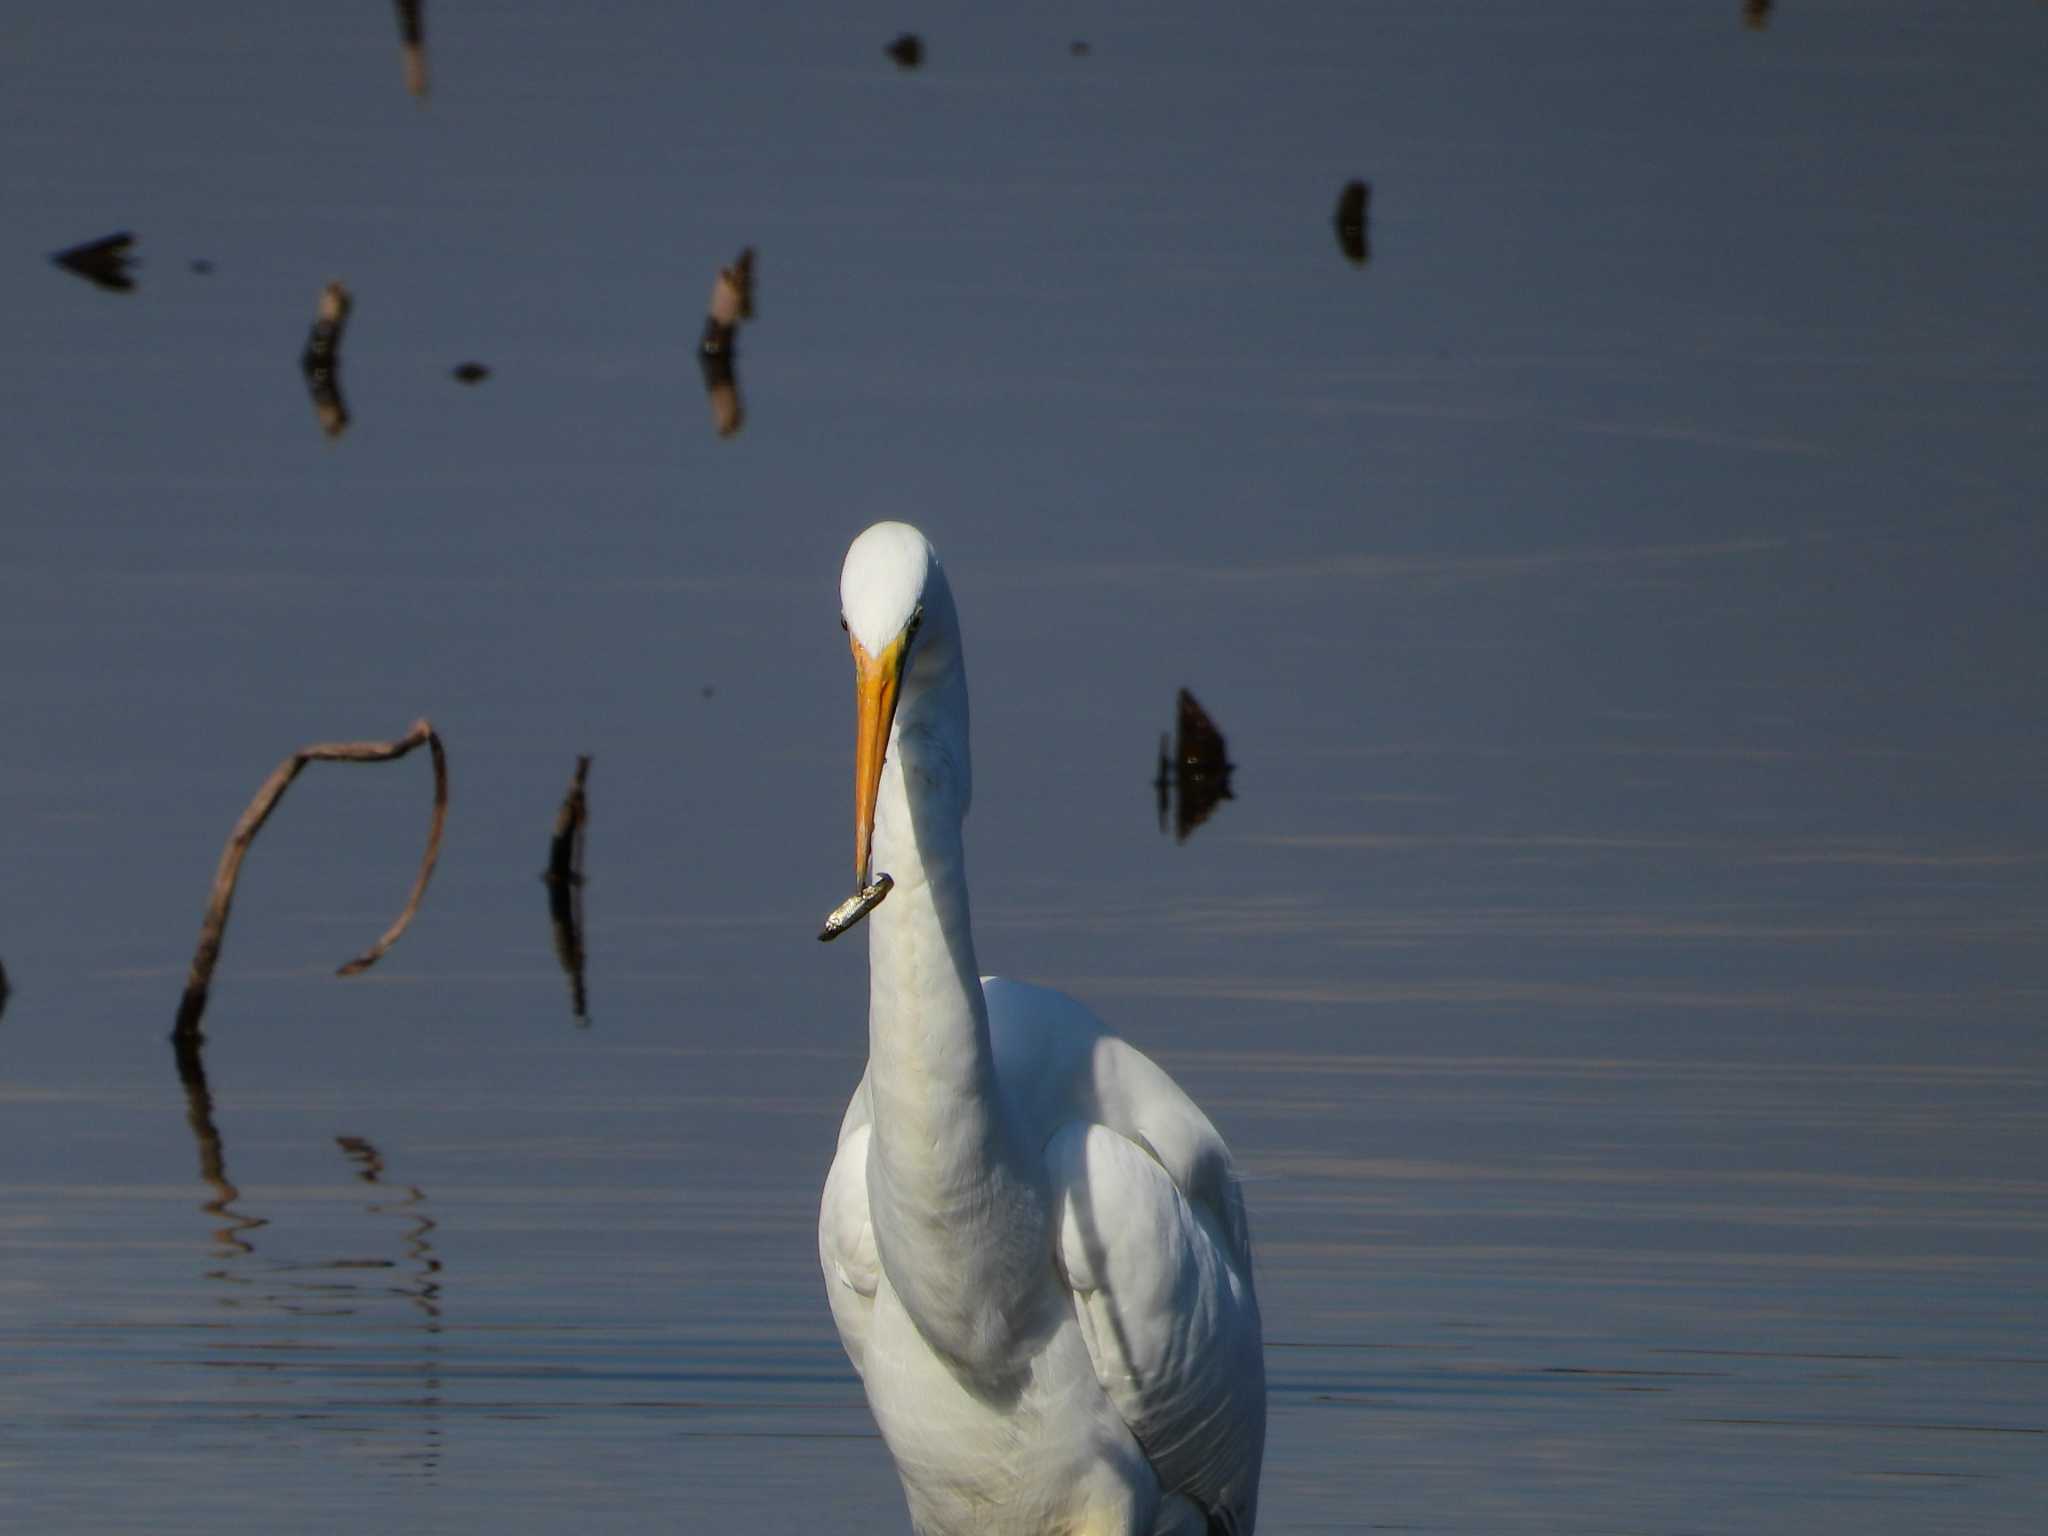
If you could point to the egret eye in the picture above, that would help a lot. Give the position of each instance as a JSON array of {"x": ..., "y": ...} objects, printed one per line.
[
  {"x": 916, "y": 618},
  {"x": 842, "y": 623}
]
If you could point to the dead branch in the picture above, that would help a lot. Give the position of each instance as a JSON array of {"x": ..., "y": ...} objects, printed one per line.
[
  {"x": 214, "y": 928},
  {"x": 320, "y": 362},
  {"x": 564, "y": 877},
  {"x": 565, "y": 848},
  {"x": 412, "y": 38}
]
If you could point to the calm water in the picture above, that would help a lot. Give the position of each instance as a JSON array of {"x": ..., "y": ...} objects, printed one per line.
[{"x": 1620, "y": 972}]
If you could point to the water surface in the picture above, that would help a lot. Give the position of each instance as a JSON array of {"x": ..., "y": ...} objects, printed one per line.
[{"x": 1618, "y": 972}]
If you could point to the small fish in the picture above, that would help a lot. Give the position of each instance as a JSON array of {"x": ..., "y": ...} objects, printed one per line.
[{"x": 854, "y": 908}]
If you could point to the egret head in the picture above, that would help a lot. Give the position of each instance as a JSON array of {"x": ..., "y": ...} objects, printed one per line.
[{"x": 899, "y": 619}]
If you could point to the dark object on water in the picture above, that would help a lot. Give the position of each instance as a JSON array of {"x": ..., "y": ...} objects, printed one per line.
[
  {"x": 907, "y": 51},
  {"x": 1079, "y": 48},
  {"x": 732, "y": 302},
  {"x": 470, "y": 373},
  {"x": 103, "y": 262},
  {"x": 213, "y": 927},
  {"x": 3, "y": 989},
  {"x": 201, "y": 267},
  {"x": 412, "y": 38},
  {"x": 320, "y": 362},
  {"x": 1353, "y": 212},
  {"x": 1194, "y": 777},
  {"x": 564, "y": 877},
  {"x": 1756, "y": 14}
]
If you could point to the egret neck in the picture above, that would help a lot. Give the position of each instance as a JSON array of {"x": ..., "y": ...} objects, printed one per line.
[{"x": 960, "y": 1211}]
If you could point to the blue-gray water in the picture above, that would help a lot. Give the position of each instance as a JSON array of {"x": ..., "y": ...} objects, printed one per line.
[{"x": 1620, "y": 972}]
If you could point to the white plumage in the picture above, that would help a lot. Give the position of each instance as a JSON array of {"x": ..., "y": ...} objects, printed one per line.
[{"x": 1033, "y": 1241}]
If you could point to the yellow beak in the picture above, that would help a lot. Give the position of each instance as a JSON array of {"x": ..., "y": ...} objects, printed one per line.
[{"x": 877, "y": 681}]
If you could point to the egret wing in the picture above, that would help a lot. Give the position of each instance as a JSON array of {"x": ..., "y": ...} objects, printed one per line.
[
  {"x": 1167, "y": 1310},
  {"x": 846, "y": 1238}
]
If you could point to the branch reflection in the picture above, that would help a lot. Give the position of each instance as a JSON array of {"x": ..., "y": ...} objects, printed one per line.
[{"x": 188, "y": 1050}]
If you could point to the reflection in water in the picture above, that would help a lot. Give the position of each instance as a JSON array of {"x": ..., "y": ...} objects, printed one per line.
[
  {"x": 1353, "y": 211},
  {"x": 470, "y": 373},
  {"x": 102, "y": 262},
  {"x": 564, "y": 878},
  {"x": 1194, "y": 776},
  {"x": 722, "y": 389},
  {"x": 187, "y": 1051},
  {"x": 423, "y": 1286},
  {"x": 420, "y": 1285},
  {"x": 1756, "y": 14},
  {"x": 412, "y": 36},
  {"x": 732, "y": 301},
  {"x": 321, "y": 360},
  {"x": 907, "y": 51},
  {"x": 324, "y": 1288}
]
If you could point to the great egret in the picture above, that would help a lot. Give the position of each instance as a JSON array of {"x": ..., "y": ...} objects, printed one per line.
[{"x": 1033, "y": 1241}]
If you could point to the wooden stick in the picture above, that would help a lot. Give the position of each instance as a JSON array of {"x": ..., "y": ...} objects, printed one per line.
[
  {"x": 565, "y": 848},
  {"x": 320, "y": 362},
  {"x": 564, "y": 877},
  {"x": 412, "y": 38},
  {"x": 214, "y": 928}
]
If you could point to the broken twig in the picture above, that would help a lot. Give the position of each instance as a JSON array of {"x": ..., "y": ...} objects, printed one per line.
[
  {"x": 412, "y": 39},
  {"x": 320, "y": 362},
  {"x": 214, "y": 927},
  {"x": 564, "y": 877}
]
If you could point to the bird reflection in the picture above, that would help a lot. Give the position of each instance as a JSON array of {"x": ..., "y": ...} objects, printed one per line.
[
  {"x": 188, "y": 1051},
  {"x": 1194, "y": 774},
  {"x": 1353, "y": 212},
  {"x": 1756, "y": 14},
  {"x": 564, "y": 879},
  {"x": 320, "y": 362},
  {"x": 103, "y": 262},
  {"x": 412, "y": 37}
]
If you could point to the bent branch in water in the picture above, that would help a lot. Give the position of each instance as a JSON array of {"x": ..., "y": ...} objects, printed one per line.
[{"x": 214, "y": 928}]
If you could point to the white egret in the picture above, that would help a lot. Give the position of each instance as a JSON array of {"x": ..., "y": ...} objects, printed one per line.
[{"x": 1033, "y": 1241}]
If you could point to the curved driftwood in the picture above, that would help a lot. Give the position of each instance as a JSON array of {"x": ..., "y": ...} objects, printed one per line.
[
  {"x": 564, "y": 877},
  {"x": 214, "y": 927}
]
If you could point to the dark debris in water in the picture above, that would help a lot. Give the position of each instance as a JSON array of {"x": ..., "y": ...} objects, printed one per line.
[
  {"x": 1354, "y": 211},
  {"x": 470, "y": 373},
  {"x": 105, "y": 262},
  {"x": 320, "y": 361},
  {"x": 907, "y": 51},
  {"x": 1194, "y": 773}
]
